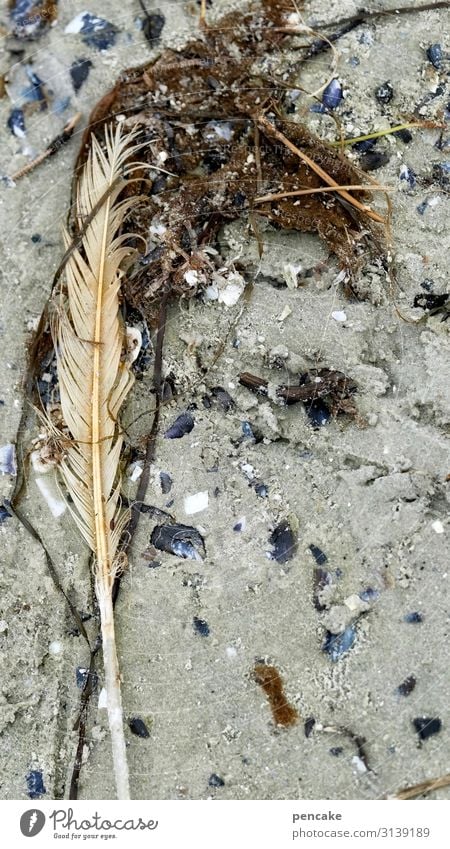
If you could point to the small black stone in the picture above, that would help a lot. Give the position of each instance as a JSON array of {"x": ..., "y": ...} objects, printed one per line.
[
  {"x": 309, "y": 725},
  {"x": 414, "y": 617},
  {"x": 284, "y": 542},
  {"x": 319, "y": 556},
  {"x": 36, "y": 238},
  {"x": 435, "y": 56},
  {"x": 426, "y": 726},
  {"x": 407, "y": 686},
  {"x": 79, "y": 72},
  {"x": 336, "y": 751},
  {"x": 384, "y": 93},
  {"x": 201, "y": 627},
  {"x": 153, "y": 26},
  {"x": 215, "y": 781},
  {"x": 404, "y": 135},
  {"x": 35, "y": 784},
  {"x": 138, "y": 727},
  {"x": 373, "y": 159},
  {"x": 166, "y": 482}
]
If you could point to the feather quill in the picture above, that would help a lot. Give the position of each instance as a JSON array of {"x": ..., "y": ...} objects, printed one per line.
[{"x": 94, "y": 379}]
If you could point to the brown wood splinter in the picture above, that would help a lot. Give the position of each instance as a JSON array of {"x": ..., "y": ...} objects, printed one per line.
[{"x": 271, "y": 682}]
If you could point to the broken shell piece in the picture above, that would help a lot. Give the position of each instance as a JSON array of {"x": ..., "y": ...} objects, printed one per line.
[
  {"x": 8, "y": 464},
  {"x": 196, "y": 503},
  {"x": 133, "y": 344},
  {"x": 49, "y": 491},
  {"x": 290, "y": 274},
  {"x": 286, "y": 312},
  {"x": 339, "y": 315},
  {"x": 181, "y": 540}
]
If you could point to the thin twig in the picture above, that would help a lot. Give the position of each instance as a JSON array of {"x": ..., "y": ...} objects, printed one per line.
[
  {"x": 271, "y": 130},
  {"x": 424, "y": 787},
  {"x": 52, "y": 148},
  {"x": 299, "y": 192}
]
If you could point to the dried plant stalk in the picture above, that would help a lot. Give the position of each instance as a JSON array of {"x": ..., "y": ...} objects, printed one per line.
[{"x": 94, "y": 380}]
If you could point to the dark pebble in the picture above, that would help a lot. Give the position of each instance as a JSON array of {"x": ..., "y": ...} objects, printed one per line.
[
  {"x": 336, "y": 751},
  {"x": 384, "y": 93},
  {"x": 181, "y": 426},
  {"x": 369, "y": 595},
  {"x": 405, "y": 135},
  {"x": 332, "y": 95},
  {"x": 237, "y": 527},
  {"x": 284, "y": 542},
  {"x": 181, "y": 540},
  {"x": 79, "y": 72},
  {"x": 35, "y": 784},
  {"x": 319, "y": 556},
  {"x": 413, "y": 617},
  {"x": 335, "y": 645},
  {"x": 435, "y": 56},
  {"x": 223, "y": 398},
  {"x": 426, "y": 726},
  {"x": 153, "y": 26},
  {"x": 421, "y": 207},
  {"x": 166, "y": 482},
  {"x": 262, "y": 490},
  {"x": 138, "y": 727},
  {"x": 16, "y": 122},
  {"x": 309, "y": 725},
  {"x": 373, "y": 159},
  {"x": 364, "y": 146},
  {"x": 97, "y": 32},
  {"x": 215, "y": 781},
  {"x": 407, "y": 686},
  {"x": 318, "y": 413},
  {"x": 36, "y": 238},
  {"x": 431, "y": 302},
  {"x": 4, "y": 515},
  {"x": 82, "y": 675},
  {"x": 201, "y": 627}
]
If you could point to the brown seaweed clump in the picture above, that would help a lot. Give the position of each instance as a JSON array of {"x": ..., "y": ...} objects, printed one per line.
[{"x": 215, "y": 139}]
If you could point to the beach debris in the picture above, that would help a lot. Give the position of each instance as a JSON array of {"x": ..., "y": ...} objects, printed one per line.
[
  {"x": 336, "y": 645},
  {"x": 215, "y": 780},
  {"x": 50, "y": 492},
  {"x": 152, "y": 24},
  {"x": 319, "y": 556},
  {"x": 384, "y": 92},
  {"x": 35, "y": 784},
  {"x": 79, "y": 72},
  {"x": 181, "y": 426},
  {"x": 309, "y": 726},
  {"x": 374, "y": 159},
  {"x": 322, "y": 579},
  {"x": 138, "y": 727},
  {"x": 82, "y": 675},
  {"x": 422, "y": 788},
  {"x": 30, "y": 18},
  {"x": 180, "y": 540},
  {"x": 270, "y": 680},
  {"x": 16, "y": 123},
  {"x": 8, "y": 465},
  {"x": 434, "y": 304},
  {"x": 96, "y": 32},
  {"x": 4, "y": 514},
  {"x": 332, "y": 94},
  {"x": 407, "y": 686},
  {"x": 369, "y": 595},
  {"x": 408, "y": 176},
  {"x": 223, "y": 398},
  {"x": 196, "y": 503},
  {"x": 201, "y": 626},
  {"x": 329, "y": 393},
  {"x": 318, "y": 413},
  {"x": 284, "y": 542},
  {"x": 426, "y": 726},
  {"x": 339, "y": 315},
  {"x": 166, "y": 482},
  {"x": 413, "y": 618},
  {"x": 55, "y": 145},
  {"x": 435, "y": 55}
]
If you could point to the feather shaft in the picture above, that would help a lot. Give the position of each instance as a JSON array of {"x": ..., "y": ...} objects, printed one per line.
[{"x": 94, "y": 380}]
